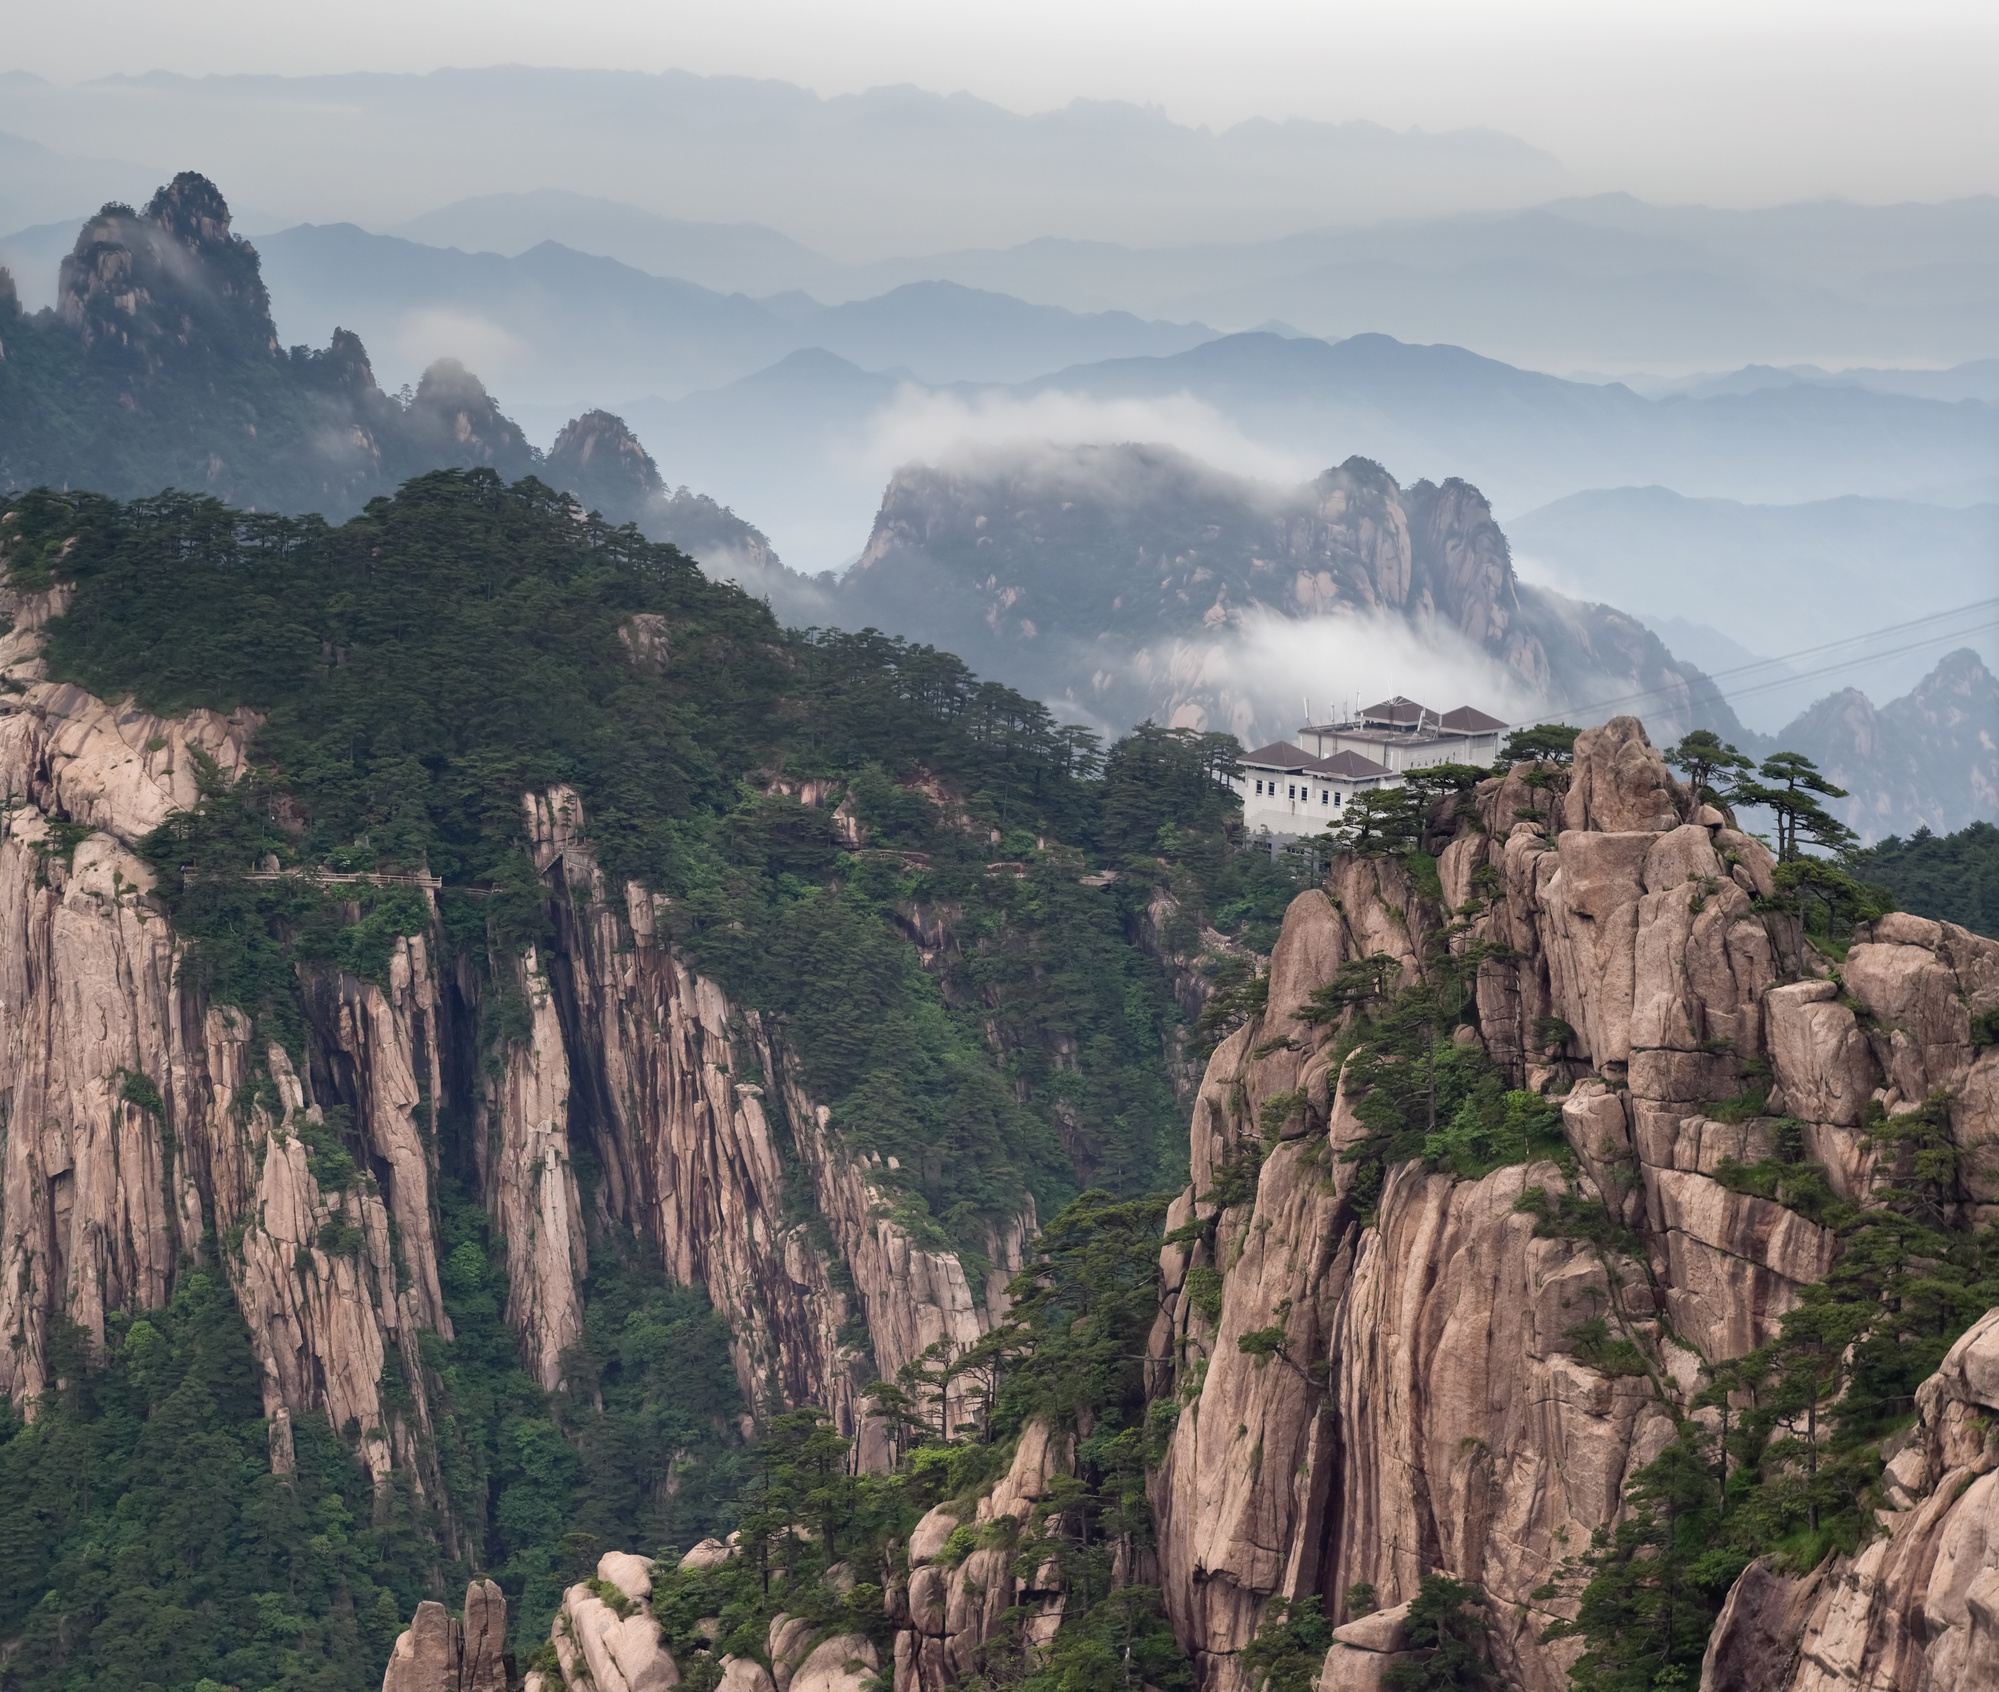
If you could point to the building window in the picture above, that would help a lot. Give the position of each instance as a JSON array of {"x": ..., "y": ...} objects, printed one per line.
[
  {"x": 1325, "y": 798},
  {"x": 1292, "y": 791},
  {"x": 1259, "y": 787},
  {"x": 1336, "y": 801}
]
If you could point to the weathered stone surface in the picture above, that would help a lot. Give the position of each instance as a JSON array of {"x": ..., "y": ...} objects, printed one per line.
[
  {"x": 1382, "y": 1630},
  {"x": 1754, "y": 1645},
  {"x": 1620, "y": 783},
  {"x": 1822, "y": 1059},
  {"x": 840, "y": 1664},
  {"x": 437, "y": 1654},
  {"x": 619, "y": 1654},
  {"x": 109, "y": 1193},
  {"x": 709, "y": 1554},
  {"x": 631, "y": 1575},
  {"x": 1348, "y": 1670},
  {"x": 932, "y": 1533}
]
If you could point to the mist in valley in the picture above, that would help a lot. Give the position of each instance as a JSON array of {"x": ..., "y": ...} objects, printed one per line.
[{"x": 1756, "y": 412}]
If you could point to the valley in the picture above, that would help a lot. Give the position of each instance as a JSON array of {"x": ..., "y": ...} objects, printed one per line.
[{"x": 655, "y": 1029}]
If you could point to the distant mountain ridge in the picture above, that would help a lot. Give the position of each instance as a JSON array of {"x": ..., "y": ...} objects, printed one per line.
[
  {"x": 1133, "y": 581},
  {"x": 847, "y": 174},
  {"x": 1606, "y": 282},
  {"x": 1927, "y": 760},
  {"x": 554, "y": 325},
  {"x": 1524, "y": 437}
]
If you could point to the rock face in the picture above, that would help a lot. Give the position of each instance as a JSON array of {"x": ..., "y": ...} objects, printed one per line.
[
  {"x": 948, "y": 1614},
  {"x": 1917, "y": 1610},
  {"x": 1428, "y": 1410},
  {"x": 1124, "y": 576},
  {"x": 439, "y": 1654},
  {"x": 156, "y": 1119},
  {"x": 152, "y": 1119}
]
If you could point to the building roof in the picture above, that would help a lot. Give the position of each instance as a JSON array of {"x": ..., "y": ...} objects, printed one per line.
[
  {"x": 1278, "y": 755},
  {"x": 1292, "y": 760},
  {"x": 1398, "y": 711},
  {"x": 1350, "y": 765},
  {"x": 1467, "y": 721}
]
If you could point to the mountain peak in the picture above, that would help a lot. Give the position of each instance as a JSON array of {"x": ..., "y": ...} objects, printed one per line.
[{"x": 166, "y": 284}]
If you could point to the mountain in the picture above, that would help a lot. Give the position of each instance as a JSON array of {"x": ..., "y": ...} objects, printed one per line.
[
  {"x": 731, "y": 258},
  {"x": 598, "y": 459},
  {"x": 1799, "y": 576},
  {"x": 1516, "y": 432},
  {"x": 521, "y": 1071},
  {"x": 1564, "y": 286},
  {"x": 1134, "y": 581},
  {"x": 162, "y": 367},
  {"x": 890, "y": 170},
  {"x": 1928, "y": 760},
  {"x": 1273, "y": 404},
  {"x": 39, "y": 184},
  {"x": 553, "y": 325},
  {"x": 558, "y": 326}
]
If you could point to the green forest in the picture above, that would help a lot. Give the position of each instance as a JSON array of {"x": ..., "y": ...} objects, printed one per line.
[
  {"x": 1949, "y": 877},
  {"x": 973, "y": 989},
  {"x": 418, "y": 668}
]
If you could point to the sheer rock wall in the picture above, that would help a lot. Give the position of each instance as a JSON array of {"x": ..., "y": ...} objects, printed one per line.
[
  {"x": 1427, "y": 1410},
  {"x": 145, "y": 1130}
]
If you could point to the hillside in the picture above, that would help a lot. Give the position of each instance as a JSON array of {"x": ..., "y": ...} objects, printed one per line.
[
  {"x": 1929, "y": 760},
  {"x": 576, "y": 1071},
  {"x": 605, "y": 939},
  {"x": 1134, "y": 581}
]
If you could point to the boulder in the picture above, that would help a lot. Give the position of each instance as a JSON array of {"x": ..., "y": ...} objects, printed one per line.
[
  {"x": 631, "y": 1575},
  {"x": 745, "y": 1674},
  {"x": 1384, "y": 1630},
  {"x": 932, "y": 1534},
  {"x": 709, "y": 1554},
  {"x": 843, "y": 1663}
]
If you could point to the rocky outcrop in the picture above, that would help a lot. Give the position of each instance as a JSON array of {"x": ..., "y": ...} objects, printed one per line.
[
  {"x": 1916, "y": 1610},
  {"x": 690, "y": 1103},
  {"x": 1433, "y": 1401},
  {"x": 613, "y": 1644},
  {"x": 150, "y": 1129},
  {"x": 144, "y": 1122},
  {"x": 440, "y": 1653},
  {"x": 948, "y": 1614}
]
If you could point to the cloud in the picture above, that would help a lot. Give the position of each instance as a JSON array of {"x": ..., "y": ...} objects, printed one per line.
[
  {"x": 936, "y": 427},
  {"x": 1256, "y": 679},
  {"x": 427, "y": 334}
]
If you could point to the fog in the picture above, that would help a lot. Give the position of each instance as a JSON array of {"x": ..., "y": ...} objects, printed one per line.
[
  {"x": 798, "y": 246},
  {"x": 1730, "y": 103}
]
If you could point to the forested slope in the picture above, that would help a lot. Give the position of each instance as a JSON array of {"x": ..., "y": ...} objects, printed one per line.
[{"x": 447, "y": 1091}]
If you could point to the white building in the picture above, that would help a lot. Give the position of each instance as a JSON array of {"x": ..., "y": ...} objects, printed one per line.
[{"x": 1305, "y": 789}]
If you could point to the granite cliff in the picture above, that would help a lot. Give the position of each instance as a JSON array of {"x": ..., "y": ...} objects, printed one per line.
[
  {"x": 1550, "y": 1154},
  {"x": 1374, "y": 1373}
]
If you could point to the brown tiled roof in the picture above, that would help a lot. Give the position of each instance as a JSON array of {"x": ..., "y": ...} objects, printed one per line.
[
  {"x": 1279, "y": 755},
  {"x": 1467, "y": 721},
  {"x": 1396, "y": 711},
  {"x": 1348, "y": 764}
]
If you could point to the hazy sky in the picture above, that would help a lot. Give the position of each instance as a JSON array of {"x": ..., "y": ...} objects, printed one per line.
[{"x": 1727, "y": 101}]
